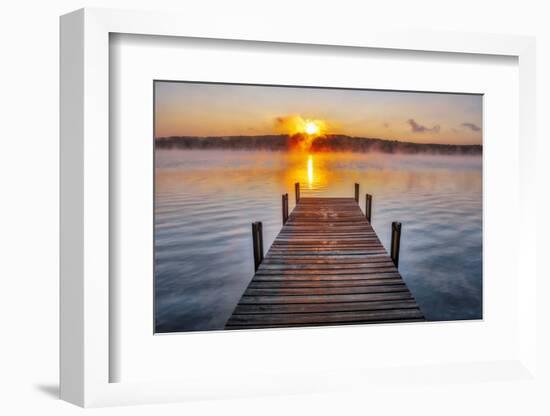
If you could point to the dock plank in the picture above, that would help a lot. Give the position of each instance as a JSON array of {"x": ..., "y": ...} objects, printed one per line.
[{"x": 327, "y": 266}]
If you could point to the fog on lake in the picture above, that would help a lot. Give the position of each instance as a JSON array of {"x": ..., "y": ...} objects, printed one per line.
[{"x": 205, "y": 202}]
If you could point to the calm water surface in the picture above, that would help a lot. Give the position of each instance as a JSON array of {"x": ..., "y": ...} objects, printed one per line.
[{"x": 206, "y": 200}]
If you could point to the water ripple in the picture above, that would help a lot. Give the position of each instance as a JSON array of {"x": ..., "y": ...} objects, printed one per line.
[{"x": 205, "y": 202}]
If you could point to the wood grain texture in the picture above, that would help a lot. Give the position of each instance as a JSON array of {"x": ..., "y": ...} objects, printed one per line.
[{"x": 326, "y": 267}]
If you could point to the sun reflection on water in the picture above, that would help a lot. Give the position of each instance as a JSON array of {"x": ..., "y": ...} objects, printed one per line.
[{"x": 310, "y": 170}]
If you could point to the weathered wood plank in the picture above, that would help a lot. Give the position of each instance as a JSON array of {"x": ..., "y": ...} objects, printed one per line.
[
  {"x": 330, "y": 317},
  {"x": 325, "y": 307},
  {"x": 325, "y": 277},
  {"x": 323, "y": 260},
  {"x": 294, "y": 325},
  {"x": 319, "y": 272},
  {"x": 325, "y": 291},
  {"x": 323, "y": 266},
  {"x": 328, "y": 251},
  {"x": 364, "y": 297},
  {"x": 323, "y": 283}
]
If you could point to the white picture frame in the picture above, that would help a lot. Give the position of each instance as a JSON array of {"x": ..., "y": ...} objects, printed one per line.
[{"x": 85, "y": 209}]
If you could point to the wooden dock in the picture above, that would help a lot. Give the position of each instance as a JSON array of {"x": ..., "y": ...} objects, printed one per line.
[{"x": 326, "y": 267}]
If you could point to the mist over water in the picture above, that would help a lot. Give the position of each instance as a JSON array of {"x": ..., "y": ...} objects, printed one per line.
[{"x": 206, "y": 200}]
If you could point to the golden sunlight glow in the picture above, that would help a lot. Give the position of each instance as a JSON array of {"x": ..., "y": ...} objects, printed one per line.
[
  {"x": 310, "y": 170},
  {"x": 311, "y": 128},
  {"x": 296, "y": 124}
]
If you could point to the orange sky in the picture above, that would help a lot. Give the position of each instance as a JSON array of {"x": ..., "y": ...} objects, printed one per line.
[{"x": 203, "y": 109}]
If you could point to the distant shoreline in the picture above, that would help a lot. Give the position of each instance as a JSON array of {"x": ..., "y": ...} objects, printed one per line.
[{"x": 328, "y": 143}]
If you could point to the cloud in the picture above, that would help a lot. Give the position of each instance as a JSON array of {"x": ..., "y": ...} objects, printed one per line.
[
  {"x": 471, "y": 126},
  {"x": 295, "y": 123},
  {"x": 418, "y": 128}
]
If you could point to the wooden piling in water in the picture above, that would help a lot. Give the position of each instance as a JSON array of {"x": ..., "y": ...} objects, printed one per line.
[
  {"x": 285, "y": 208},
  {"x": 368, "y": 207},
  {"x": 357, "y": 192},
  {"x": 297, "y": 192},
  {"x": 395, "y": 242},
  {"x": 257, "y": 243}
]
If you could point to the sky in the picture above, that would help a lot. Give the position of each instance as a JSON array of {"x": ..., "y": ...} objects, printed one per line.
[{"x": 202, "y": 109}]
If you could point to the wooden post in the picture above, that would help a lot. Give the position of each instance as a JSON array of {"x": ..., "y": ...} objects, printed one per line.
[
  {"x": 368, "y": 207},
  {"x": 297, "y": 191},
  {"x": 357, "y": 192},
  {"x": 395, "y": 242},
  {"x": 257, "y": 244},
  {"x": 285, "y": 208}
]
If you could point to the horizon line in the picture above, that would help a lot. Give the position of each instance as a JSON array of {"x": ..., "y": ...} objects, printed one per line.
[{"x": 331, "y": 134}]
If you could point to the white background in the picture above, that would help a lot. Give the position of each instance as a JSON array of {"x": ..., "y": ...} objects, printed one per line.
[
  {"x": 374, "y": 346},
  {"x": 29, "y": 207}
]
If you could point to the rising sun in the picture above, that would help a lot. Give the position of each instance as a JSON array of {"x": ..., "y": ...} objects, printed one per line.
[{"x": 311, "y": 128}]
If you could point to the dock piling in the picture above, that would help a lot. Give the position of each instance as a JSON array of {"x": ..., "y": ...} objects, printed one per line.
[
  {"x": 395, "y": 242},
  {"x": 297, "y": 191},
  {"x": 285, "y": 208},
  {"x": 357, "y": 192},
  {"x": 368, "y": 207},
  {"x": 257, "y": 243}
]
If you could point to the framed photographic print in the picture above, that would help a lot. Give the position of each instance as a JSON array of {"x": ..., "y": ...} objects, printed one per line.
[
  {"x": 229, "y": 153},
  {"x": 281, "y": 212}
]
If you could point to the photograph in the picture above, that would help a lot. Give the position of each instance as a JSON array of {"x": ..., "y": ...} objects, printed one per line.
[{"x": 284, "y": 206}]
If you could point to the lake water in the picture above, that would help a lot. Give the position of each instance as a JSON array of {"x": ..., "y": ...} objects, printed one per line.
[{"x": 206, "y": 200}]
